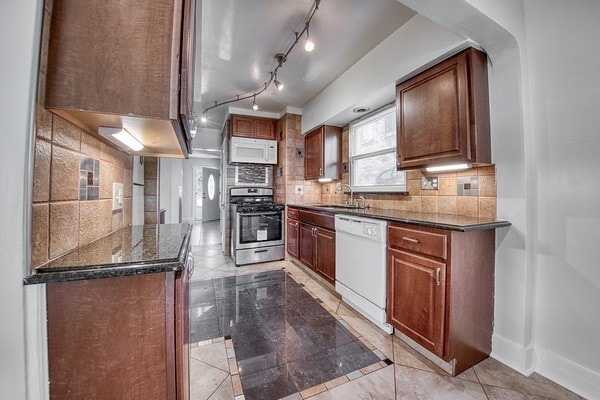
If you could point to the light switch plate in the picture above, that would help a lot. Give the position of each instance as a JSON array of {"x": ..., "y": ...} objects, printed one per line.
[{"x": 117, "y": 203}]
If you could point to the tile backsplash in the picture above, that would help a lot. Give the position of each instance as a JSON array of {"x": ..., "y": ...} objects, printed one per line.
[{"x": 73, "y": 174}]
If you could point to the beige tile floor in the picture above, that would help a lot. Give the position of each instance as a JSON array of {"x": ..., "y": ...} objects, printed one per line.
[{"x": 214, "y": 374}]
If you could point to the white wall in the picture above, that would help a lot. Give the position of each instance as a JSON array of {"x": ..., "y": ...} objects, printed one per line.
[
  {"x": 414, "y": 44},
  {"x": 562, "y": 41},
  {"x": 19, "y": 43},
  {"x": 188, "y": 179},
  {"x": 170, "y": 184}
]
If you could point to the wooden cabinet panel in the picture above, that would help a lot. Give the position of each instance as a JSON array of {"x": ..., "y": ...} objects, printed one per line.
[
  {"x": 242, "y": 126},
  {"x": 428, "y": 242},
  {"x": 418, "y": 306},
  {"x": 265, "y": 129},
  {"x": 117, "y": 64},
  {"x": 253, "y": 127},
  {"x": 112, "y": 338},
  {"x": 325, "y": 253},
  {"x": 323, "y": 153},
  {"x": 188, "y": 53},
  {"x": 292, "y": 236},
  {"x": 306, "y": 244},
  {"x": 441, "y": 290},
  {"x": 316, "y": 218},
  {"x": 443, "y": 113}
]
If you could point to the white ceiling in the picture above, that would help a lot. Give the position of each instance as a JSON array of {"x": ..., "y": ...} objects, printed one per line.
[{"x": 239, "y": 39}]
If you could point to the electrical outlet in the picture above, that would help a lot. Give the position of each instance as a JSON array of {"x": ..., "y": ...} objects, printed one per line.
[
  {"x": 429, "y": 183},
  {"x": 117, "y": 203},
  {"x": 299, "y": 189}
]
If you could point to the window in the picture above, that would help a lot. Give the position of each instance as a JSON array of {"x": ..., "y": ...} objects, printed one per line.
[{"x": 373, "y": 154}]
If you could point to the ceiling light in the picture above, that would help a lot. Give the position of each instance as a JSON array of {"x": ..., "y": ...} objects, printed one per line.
[
  {"x": 280, "y": 58},
  {"x": 451, "y": 167},
  {"x": 203, "y": 119},
  {"x": 309, "y": 45},
  {"x": 193, "y": 128},
  {"x": 120, "y": 136}
]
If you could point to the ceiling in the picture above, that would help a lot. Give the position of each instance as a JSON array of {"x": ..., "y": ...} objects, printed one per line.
[{"x": 238, "y": 40}]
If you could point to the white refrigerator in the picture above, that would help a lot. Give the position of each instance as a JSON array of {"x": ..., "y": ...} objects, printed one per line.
[{"x": 137, "y": 206}]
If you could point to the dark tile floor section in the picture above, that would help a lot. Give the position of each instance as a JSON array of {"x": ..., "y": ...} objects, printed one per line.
[{"x": 284, "y": 340}]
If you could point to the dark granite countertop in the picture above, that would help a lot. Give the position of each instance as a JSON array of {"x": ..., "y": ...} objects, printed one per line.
[
  {"x": 431, "y": 220},
  {"x": 134, "y": 250}
]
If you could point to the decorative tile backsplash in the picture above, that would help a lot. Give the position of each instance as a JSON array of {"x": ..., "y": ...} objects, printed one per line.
[
  {"x": 467, "y": 186},
  {"x": 89, "y": 178}
]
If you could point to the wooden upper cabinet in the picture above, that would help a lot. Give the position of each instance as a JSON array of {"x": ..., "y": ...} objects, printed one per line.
[
  {"x": 118, "y": 64},
  {"x": 253, "y": 127},
  {"x": 443, "y": 113},
  {"x": 323, "y": 153}
]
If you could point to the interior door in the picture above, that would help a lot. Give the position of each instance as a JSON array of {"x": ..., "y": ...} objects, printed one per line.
[
  {"x": 210, "y": 193},
  {"x": 198, "y": 200}
]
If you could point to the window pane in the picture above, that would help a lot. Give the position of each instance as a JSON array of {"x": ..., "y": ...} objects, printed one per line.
[
  {"x": 377, "y": 170},
  {"x": 375, "y": 134}
]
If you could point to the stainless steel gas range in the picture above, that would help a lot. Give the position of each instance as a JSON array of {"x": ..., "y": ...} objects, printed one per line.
[{"x": 257, "y": 226}]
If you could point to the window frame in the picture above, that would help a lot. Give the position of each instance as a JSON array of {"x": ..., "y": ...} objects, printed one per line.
[{"x": 352, "y": 158}]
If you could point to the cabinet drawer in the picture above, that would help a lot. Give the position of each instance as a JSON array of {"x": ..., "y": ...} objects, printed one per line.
[
  {"x": 292, "y": 213},
  {"x": 323, "y": 220},
  {"x": 420, "y": 241}
]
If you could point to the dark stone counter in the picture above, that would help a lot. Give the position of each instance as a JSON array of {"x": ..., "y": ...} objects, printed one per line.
[
  {"x": 431, "y": 220},
  {"x": 134, "y": 250}
]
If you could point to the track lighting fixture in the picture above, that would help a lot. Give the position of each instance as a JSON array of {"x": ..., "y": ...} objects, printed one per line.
[
  {"x": 309, "y": 45},
  {"x": 280, "y": 58},
  {"x": 278, "y": 84}
]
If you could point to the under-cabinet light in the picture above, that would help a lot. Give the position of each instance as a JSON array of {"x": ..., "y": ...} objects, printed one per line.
[
  {"x": 325, "y": 180},
  {"x": 451, "y": 167},
  {"x": 122, "y": 136}
]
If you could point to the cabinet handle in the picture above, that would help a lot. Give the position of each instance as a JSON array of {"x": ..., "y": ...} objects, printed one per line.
[
  {"x": 437, "y": 275},
  {"x": 320, "y": 171},
  {"x": 408, "y": 239}
]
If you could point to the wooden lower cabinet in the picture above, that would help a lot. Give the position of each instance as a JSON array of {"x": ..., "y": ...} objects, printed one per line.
[
  {"x": 317, "y": 250},
  {"x": 119, "y": 338},
  {"x": 324, "y": 253},
  {"x": 306, "y": 244},
  {"x": 441, "y": 291},
  {"x": 292, "y": 235},
  {"x": 420, "y": 315}
]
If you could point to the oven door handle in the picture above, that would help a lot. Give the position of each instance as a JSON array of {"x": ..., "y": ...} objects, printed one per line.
[{"x": 261, "y": 213}]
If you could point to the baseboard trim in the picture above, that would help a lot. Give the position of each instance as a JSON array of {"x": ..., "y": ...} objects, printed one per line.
[
  {"x": 565, "y": 372},
  {"x": 516, "y": 356}
]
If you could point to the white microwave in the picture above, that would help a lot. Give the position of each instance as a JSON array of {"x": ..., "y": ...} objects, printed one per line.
[{"x": 252, "y": 151}]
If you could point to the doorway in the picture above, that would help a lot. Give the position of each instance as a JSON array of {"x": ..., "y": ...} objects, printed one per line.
[{"x": 206, "y": 193}]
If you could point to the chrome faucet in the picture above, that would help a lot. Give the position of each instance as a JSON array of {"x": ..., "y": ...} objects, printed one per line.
[
  {"x": 363, "y": 200},
  {"x": 339, "y": 187}
]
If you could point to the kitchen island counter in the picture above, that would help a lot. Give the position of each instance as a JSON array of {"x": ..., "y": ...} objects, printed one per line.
[
  {"x": 133, "y": 250},
  {"x": 451, "y": 222}
]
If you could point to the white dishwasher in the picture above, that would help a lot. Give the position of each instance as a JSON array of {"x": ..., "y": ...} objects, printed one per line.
[{"x": 360, "y": 266}]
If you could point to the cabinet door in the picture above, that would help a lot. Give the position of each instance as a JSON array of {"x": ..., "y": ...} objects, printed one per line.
[
  {"x": 186, "y": 100},
  {"x": 242, "y": 126},
  {"x": 292, "y": 237},
  {"x": 305, "y": 244},
  {"x": 416, "y": 298},
  {"x": 182, "y": 333},
  {"x": 98, "y": 60},
  {"x": 313, "y": 154},
  {"x": 432, "y": 110},
  {"x": 325, "y": 253},
  {"x": 264, "y": 129}
]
